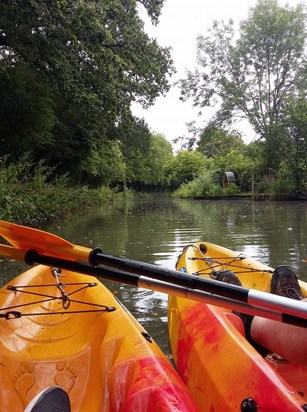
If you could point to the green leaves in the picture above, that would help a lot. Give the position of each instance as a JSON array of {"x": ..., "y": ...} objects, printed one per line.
[
  {"x": 69, "y": 71},
  {"x": 26, "y": 111},
  {"x": 185, "y": 167},
  {"x": 250, "y": 74}
]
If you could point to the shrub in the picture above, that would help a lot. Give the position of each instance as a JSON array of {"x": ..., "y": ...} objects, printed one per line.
[
  {"x": 201, "y": 186},
  {"x": 27, "y": 197},
  {"x": 232, "y": 189}
]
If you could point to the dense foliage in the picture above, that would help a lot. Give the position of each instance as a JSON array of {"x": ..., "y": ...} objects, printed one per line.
[
  {"x": 258, "y": 74},
  {"x": 26, "y": 197},
  {"x": 68, "y": 74}
]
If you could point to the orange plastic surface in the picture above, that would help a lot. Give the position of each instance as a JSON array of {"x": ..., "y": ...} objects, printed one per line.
[
  {"x": 45, "y": 243},
  {"x": 218, "y": 365},
  {"x": 102, "y": 359}
]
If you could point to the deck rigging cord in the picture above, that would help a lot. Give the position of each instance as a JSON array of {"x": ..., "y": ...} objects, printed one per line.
[
  {"x": 65, "y": 298},
  {"x": 216, "y": 262}
]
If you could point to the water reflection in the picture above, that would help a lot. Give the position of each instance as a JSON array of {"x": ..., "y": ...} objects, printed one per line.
[{"x": 156, "y": 231}]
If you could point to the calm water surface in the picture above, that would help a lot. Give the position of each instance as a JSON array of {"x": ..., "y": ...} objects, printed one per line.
[{"x": 156, "y": 231}]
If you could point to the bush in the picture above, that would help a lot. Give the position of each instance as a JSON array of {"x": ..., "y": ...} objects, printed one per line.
[
  {"x": 232, "y": 189},
  {"x": 282, "y": 189},
  {"x": 201, "y": 186},
  {"x": 26, "y": 196}
]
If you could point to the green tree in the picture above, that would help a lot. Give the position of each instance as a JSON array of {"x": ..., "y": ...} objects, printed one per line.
[
  {"x": 293, "y": 142},
  {"x": 215, "y": 141},
  {"x": 250, "y": 75},
  {"x": 159, "y": 156},
  {"x": 134, "y": 137},
  {"x": 185, "y": 167},
  {"x": 91, "y": 48},
  {"x": 146, "y": 157},
  {"x": 104, "y": 165},
  {"x": 26, "y": 111},
  {"x": 238, "y": 161},
  {"x": 95, "y": 59}
]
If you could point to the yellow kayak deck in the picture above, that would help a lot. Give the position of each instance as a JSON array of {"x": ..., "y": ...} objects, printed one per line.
[
  {"x": 220, "y": 367},
  {"x": 82, "y": 339}
]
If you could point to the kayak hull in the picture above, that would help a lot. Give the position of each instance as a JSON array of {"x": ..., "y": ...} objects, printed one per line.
[
  {"x": 218, "y": 365},
  {"x": 88, "y": 344}
]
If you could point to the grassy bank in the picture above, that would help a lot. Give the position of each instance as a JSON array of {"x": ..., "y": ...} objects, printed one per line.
[{"x": 27, "y": 197}]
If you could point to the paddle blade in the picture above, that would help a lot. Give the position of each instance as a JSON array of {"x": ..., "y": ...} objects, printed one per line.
[
  {"x": 25, "y": 238},
  {"x": 11, "y": 252}
]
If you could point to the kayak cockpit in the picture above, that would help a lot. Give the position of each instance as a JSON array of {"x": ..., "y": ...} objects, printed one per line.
[{"x": 93, "y": 349}]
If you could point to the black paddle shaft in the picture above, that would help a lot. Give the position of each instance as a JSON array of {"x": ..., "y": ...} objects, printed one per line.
[
  {"x": 32, "y": 257},
  {"x": 166, "y": 275},
  {"x": 176, "y": 277}
]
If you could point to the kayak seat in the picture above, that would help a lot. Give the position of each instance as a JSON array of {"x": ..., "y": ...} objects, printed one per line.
[{"x": 50, "y": 399}]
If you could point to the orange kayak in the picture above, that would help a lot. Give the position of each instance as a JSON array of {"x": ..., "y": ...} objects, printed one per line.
[
  {"x": 76, "y": 335},
  {"x": 221, "y": 369}
]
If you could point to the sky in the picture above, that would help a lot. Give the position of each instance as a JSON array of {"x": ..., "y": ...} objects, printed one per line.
[{"x": 179, "y": 24}]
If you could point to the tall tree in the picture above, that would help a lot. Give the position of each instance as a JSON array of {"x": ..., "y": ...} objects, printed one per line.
[
  {"x": 248, "y": 75},
  {"x": 215, "y": 141},
  {"x": 90, "y": 47},
  {"x": 96, "y": 59},
  {"x": 135, "y": 139},
  {"x": 26, "y": 111},
  {"x": 184, "y": 167},
  {"x": 293, "y": 142},
  {"x": 159, "y": 156}
]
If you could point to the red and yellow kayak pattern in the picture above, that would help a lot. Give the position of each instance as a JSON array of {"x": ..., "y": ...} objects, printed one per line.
[
  {"x": 219, "y": 366},
  {"x": 87, "y": 343}
]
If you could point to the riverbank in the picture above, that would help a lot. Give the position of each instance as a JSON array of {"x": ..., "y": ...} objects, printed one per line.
[
  {"x": 238, "y": 197},
  {"x": 32, "y": 206},
  {"x": 30, "y": 194}
]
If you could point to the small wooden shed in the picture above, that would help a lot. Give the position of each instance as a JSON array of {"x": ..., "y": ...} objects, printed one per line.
[{"x": 229, "y": 177}]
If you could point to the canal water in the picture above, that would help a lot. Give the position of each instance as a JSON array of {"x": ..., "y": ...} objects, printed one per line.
[{"x": 155, "y": 230}]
